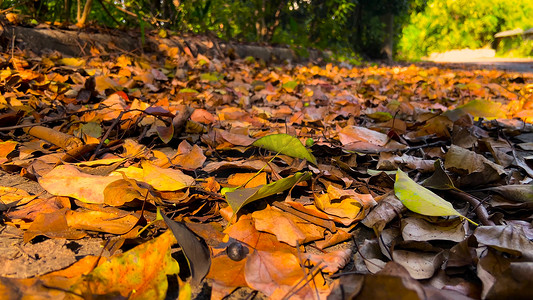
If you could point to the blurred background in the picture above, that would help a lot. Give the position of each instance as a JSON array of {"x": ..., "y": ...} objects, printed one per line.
[{"x": 408, "y": 30}]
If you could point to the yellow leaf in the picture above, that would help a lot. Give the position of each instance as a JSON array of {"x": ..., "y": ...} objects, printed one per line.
[
  {"x": 140, "y": 273},
  {"x": 421, "y": 200},
  {"x": 165, "y": 179}
]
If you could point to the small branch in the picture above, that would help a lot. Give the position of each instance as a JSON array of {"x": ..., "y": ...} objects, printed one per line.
[
  {"x": 106, "y": 135},
  {"x": 109, "y": 13},
  {"x": 480, "y": 210},
  {"x": 330, "y": 225},
  {"x": 122, "y": 9},
  {"x": 433, "y": 144}
]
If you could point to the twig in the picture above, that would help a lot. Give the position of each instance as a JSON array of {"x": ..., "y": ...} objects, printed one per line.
[
  {"x": 109, "y": 13},
  {"x": 123, "y": 10},
  {"x": 480, "y": 210},
  {"x": 433, "y": 144},
  {"x": 9, "y": 128},
  {"x": 304, "y": 281},
  {"x": 106, "y": 135},
  {"x": 330, "y": 225},
  {"x": 81, "y": 47},
  {"x": 6, "y": 10},
  {"x": 13, "y": 49}
]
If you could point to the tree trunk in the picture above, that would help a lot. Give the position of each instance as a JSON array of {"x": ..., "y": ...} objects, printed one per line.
[
  {"x": 86, "y": 10},
  {"x": 66, "y": 11},
  {"x": 388, "y": 43}
]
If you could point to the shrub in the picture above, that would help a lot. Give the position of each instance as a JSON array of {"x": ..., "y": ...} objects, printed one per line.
[{"x": 456, "y": 24}]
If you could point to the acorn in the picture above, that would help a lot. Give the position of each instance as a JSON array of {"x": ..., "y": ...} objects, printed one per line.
[{"x": 236, "y": 251}]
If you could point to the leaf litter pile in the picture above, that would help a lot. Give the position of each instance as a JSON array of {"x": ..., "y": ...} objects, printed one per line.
[{"x": 205, "y": 177}]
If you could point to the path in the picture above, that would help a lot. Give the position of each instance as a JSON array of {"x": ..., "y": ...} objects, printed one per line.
[{"x": 481, "y": 59}]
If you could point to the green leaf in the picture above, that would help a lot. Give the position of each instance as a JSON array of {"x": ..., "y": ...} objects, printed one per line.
[
  {"x": 478, "y": 109},
  {"x": 289, "y": 86},
  {"x": 92, "y": 129},
  {"x": 421, "y": 200},
  {"x": 210, "y": 77},
  {"x": 187, "y": 90},
  {"x": 380, "y": 116},
  {"x": 239, "y": 198},
  {"x": 285, "y": 144}
]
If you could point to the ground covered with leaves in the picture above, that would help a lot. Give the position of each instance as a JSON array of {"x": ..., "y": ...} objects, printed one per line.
[{"x": 174, "y": 176}]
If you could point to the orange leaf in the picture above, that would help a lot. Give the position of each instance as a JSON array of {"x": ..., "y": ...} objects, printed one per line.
[
  {"x": 67, "y": 180},
  {"x": 287, "y": 227},
  {"x": 238, "y": 179},
  {"x": 278, "y": 274},
  {"x": 52, "y": 225},
  {"x": 101, "y": 221},
  {"x": 189, "y": 157},
  {"x": 345, "y": 204},
  {"x": 6, "y": 148},
  {"x": 165, "y": 179}
]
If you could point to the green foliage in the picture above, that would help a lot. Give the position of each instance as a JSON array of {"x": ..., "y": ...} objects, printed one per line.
[
  {"x": 515, "y": 47},
  {"x": 344, "y": 26},
  {"x": 456, "y": 24}
]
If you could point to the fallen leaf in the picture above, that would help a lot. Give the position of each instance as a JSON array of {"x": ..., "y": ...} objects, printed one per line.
[
  {"x": 254, "y": 165},
  {"x": 239, "y": 198},
  {"x": 345, "y": 204},
  {"x": 386, "y": 211},
  {"x": 165, "y": 179},
  {"x": 419, "y": 229},
  {"x": 247, "y": 180},
  {"x": 285, "y": 144},
  {"x": 6, "y": 148},
  {"x": 504, "y": 278},
  {"x": 188, "y": 157},
  {"x": 140, "y": 273},
  {"x": 421, "y": 200},
  {"x": 101, "y": 221},
  {"x": 506, "y": 238},
  {"x": 330, "y": 262},
  {"x": 286, "y": 227},
  {"x": 276, "y": 272},
  {"x": 67, "y": 180},
  {"x": 478, "y": 108},
  {"x": 514, "y": 192},
  {"x": 196, "y": 252},
  {"x": 355, "y": 138},
  {"x": 14, "y": 196},
  {"x": 52, "y": 225},
  {"x": 473, "y": 168}
]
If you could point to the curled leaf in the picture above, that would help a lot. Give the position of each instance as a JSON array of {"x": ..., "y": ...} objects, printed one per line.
[
  {"x": 239, "y": 198},
  {"x": 196, "y": 252}
]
